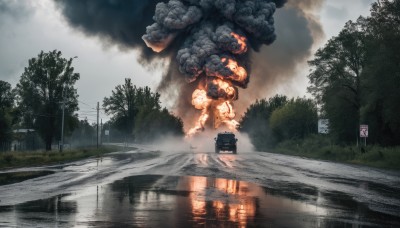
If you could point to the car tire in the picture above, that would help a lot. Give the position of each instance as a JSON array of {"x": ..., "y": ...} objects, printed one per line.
[
  {"x": 216, "y": 150},
  {"x": 234, "y": 151}
]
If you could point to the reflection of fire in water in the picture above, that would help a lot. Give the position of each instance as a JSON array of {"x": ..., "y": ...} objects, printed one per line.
[
  {"x": 198, "y": 184},
  {"x": 230, "y": 201}
]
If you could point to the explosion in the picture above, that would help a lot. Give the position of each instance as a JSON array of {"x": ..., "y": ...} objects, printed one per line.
[{"x": 218, "y": 35}]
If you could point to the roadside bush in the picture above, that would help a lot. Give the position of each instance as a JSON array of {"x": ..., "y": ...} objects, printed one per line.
[
  {"x": 320, "y": 147},
  {"x": 8, "y": 158}
]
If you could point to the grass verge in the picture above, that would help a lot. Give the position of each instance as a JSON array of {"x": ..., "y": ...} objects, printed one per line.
[
  {"x": 15, "y": 177},
  {"x": 38, "y": 158},
  {"x": 319, "y": 147}
]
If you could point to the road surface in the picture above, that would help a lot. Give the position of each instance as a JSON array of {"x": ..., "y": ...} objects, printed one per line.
[{"x": 149, "y": 187}]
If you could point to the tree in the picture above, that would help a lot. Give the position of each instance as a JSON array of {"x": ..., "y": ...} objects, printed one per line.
[
  {"x": 336, "y": 80},
  {"x": 255, "y": 121},
  {"x": 381, "y": 106},
  {"x": 137, "y": 112},
  {"x": 156, "y": 123},
  {"x": 6, "y": 105},
  {"x": 41, "y": 88},
  {"x": 84, "y": 134},
  {"x": 126, "y": 101},
  {"x": 295, "y": 120}
]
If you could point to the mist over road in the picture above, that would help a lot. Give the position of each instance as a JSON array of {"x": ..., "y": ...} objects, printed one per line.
[{"x": 325, "y": 193}]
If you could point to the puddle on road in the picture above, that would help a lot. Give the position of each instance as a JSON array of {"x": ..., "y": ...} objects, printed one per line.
[{"x": 164, "y": 201}]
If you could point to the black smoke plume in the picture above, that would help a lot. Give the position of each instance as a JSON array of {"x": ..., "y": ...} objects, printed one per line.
[{"x": 115, "y": 22}]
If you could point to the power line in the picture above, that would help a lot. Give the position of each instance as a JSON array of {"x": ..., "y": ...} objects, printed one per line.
[{"x": 84, "y": 103}]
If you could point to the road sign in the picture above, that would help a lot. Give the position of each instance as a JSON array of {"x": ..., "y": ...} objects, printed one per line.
[
  {"x": 323, "y": 126},
  {"x": 364, "y": 131}
]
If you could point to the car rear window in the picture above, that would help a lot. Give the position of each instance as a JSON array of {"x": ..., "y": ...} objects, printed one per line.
[{"x": 226, "y": 136}]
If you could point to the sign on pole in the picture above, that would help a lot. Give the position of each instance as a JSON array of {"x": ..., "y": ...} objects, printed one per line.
[
  {"x": 106, "y": 132},
  {"x": 323, "y": 126},
  {"x": 364, "y": 131}
]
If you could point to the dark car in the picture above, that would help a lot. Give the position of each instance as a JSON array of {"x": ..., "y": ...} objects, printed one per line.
[{"x": 226, "y": 141}]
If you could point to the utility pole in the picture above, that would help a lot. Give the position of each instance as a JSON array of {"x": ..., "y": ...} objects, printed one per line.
[
  {"x": 98, "y": 124},
  {"x": 101, "y": 132},
  {"x": 63, "y": 112},
  {"x": 62, "y": 121}
]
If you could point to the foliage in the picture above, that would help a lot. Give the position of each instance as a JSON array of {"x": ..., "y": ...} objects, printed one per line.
[
  {"x": 321, "y": 147},
  {"x": 40, "y": 93},
  {"x": 37, "y": 158},
  {"x": 6, "y": 96},
  {"x": 335, "y": 80},
  {"x": 295, "y": 120},
  {"x": 381, "y": 106},
  {"x": 157, "y": 123},
  {"x": 125, "y": 103},
  {"x": 84, "y": 134},
  {"x": 355, "y": 77},
  {"x": 6, "y": 109},
  {"x": 255, "y": 121},
  {"x": 137, "y": 113}
]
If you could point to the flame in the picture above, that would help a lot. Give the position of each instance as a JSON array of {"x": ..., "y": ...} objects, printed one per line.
[
  {"x": 221, "y": 108},
  {"x": 239, "y": 73},
  {"x": 227, "y": 87},
  {"x": 225, "y": 110},
  {"x": 160, "y": 45},
  {"x": 202, "y": 102},
  {"x": 224, "y": 114},
  {"x": 242, "y": 41},
  {"x": 231, "y": 124}
]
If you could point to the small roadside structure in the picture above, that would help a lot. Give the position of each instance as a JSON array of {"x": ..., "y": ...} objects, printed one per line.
[{"x": 25, "y": 139}]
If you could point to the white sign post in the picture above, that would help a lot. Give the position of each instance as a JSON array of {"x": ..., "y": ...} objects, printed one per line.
[
  {"x": 107, "y": 133},
  {"x": 323, "y": 126},
  {"x": 364, "y": 133}
]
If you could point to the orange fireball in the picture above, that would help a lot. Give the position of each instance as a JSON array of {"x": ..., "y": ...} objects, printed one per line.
[
  {"x": 200, "y": 100},
  {"x": 241, "y": 41},
  {"x": 239, "y": 73}
]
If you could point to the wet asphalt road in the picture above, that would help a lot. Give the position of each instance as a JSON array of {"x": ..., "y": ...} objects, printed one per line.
[{"x": 150, "y": 188}]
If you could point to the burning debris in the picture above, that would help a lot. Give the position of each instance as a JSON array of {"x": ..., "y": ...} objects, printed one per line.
[{"x": 218, "y": 35}]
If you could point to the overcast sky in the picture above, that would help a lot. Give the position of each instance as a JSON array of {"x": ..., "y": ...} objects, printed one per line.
[{"x": 27, "y": 27}]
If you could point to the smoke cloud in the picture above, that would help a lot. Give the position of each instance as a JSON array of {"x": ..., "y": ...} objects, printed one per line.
[
  {"x": 120, "y": 23},
  {"x": 206, "y": 38}
]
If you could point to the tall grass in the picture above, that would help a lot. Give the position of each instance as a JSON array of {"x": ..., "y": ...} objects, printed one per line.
[
  {"x": 37, "y": 158},
  {"x": 320, "y": 147}
]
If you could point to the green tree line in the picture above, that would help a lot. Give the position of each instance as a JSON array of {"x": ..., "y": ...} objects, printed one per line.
[
  {"x": 270, "y": 122},
  {"x": 48, "y": 84}
]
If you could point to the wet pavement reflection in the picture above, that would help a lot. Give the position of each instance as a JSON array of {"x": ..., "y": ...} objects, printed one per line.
[{"x": 191, "y": 201}]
